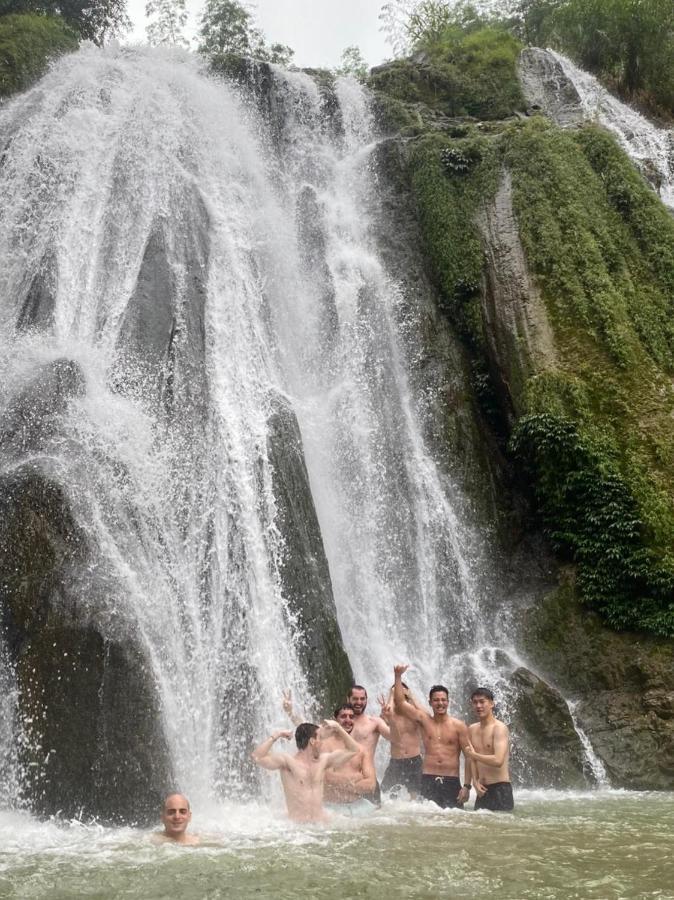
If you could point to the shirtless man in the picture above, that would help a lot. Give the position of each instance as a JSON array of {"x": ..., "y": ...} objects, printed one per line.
[
  {"x": 366, "y": 729},
  {"x": 350, "y": 789},
  {"x": 444, "y": 737},
  {"x": 303, "y": 775},
  {"x": 406, "y": 760},
  {"x": 487, "y": 756},
  {"x": 175, "y": 816}
]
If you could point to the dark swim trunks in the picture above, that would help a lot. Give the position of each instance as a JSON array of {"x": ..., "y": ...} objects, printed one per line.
[
  {"x": 403, "y": 771},
  {"x": 442, "y": 789},
  {"x": 499, "y": 798}
]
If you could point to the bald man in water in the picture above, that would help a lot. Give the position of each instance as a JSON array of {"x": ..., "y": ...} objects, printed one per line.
[{"x": 176, "y": 816}]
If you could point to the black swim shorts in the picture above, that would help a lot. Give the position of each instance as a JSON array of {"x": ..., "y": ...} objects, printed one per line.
[
  {"x": 499, "y": 798},
  {"x": 403, "y": 771},
  {"x": 442, "y": 789}
]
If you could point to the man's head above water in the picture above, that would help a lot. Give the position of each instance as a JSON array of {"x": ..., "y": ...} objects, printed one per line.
[
  {"x": 175, "y": 816},
  {"x": 357, "y": 697}
]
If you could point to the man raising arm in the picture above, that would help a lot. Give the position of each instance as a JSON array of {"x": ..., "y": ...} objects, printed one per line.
[
  {"x": 303, "y": 774},
  {"x": 443, "y": 737}
]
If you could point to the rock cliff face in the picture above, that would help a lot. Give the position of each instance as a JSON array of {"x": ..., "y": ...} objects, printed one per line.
[
  {"x": 90, "y": 738},
  {"x": 503, "y": 273}
]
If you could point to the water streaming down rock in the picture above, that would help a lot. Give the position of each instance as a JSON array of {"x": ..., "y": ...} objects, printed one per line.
[
  {"x": 569, "y": 96},
  {"x": 215, "y": 441}
]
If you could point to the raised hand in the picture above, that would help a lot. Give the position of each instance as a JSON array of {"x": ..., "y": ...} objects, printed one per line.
[
  {"x": 283, "y": 735},
  {"x": 287, "y": 702},
  {"x": 400, "y": 670}
]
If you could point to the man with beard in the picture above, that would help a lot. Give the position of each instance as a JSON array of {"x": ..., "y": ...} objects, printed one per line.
[
  {"x": 349, "y": 789},
  {"x": 303, "y": 775},
  {"x": 444, "y": 737}
]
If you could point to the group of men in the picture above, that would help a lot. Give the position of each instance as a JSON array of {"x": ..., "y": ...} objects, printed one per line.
[{"x": 333, "y": 768}]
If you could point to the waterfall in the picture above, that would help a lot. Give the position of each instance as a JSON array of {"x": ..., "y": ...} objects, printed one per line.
[
  {"x": 207, "y": 280},
  {"x": 651, "y": 147}
]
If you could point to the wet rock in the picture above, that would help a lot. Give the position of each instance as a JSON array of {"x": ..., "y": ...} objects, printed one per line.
[
  {"x": 92, "y": 745},
  {"x": 31, "y": 418},
  {"x": 37, "y": 309},
  {"x": 304, "y": 569},
  {"x": 547, "y": 89},
  {"x": 546, "y": 747},
  {"x": 517, "y": 330},
  {"x": 624, "y": 684}
]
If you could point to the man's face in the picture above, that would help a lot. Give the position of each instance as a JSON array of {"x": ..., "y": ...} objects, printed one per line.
[
  {"x": 358, "y": 699},
  {"x": 439, "y": 702},
  {"x": 346, "y": 718},
  {"x": 482, "y": 706},
  {"x": 176, "y": 815}
]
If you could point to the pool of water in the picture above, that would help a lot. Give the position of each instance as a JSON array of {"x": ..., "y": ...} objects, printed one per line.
[{"x": 603, "y": 844}]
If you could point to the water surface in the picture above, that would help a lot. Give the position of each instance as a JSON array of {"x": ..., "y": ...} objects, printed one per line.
[{"x": 604, "y": 845}]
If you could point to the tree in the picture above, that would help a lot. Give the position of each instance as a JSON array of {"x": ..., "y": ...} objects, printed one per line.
[
  {"x": 167, "y": 28},
  {"x": 92, "y": 20},
  {"x": 353, "y": 64},
  {"x": 228, "y": 27}
]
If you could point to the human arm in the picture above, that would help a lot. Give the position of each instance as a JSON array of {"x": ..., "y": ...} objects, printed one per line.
[
  {"x": 263, "y": 756},
  {"x": 383, "y": 728},
  {"x": 498, "y": 757},
  {"x": 401, "y": 706},
  {"x": 288, "y": 709},
  {"x": 336, "y": 758}
]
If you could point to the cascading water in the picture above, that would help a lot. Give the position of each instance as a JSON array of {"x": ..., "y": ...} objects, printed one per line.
[
  {"x": 197, "y": 274},
  {"x": 651, "y": 147}
]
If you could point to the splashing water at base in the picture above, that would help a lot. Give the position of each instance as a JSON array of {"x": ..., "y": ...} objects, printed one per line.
[{"x": 605, "y": 845}]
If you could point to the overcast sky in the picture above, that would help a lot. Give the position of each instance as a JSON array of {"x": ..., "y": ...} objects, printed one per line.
[{"x": 317, "y": 30}]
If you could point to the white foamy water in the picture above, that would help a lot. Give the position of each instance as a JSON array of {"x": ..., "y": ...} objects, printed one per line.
[
  {"x": 273, "y": 288},
  {"x": 651, "y": 147}
]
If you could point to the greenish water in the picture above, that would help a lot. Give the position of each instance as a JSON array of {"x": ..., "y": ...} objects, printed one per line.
[{"x": 602, "y": 845}]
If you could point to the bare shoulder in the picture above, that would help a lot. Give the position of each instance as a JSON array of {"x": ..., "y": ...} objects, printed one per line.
[
  {"x": 459, "y": 724},
  {"x": 501, "y": 727},
  {"x": 474, "y": 728}
]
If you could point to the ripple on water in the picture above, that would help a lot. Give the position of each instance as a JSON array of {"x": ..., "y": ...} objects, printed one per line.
[{"x": 606, "y": 845}]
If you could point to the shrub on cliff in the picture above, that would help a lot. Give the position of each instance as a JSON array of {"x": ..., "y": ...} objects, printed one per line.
[{"x": 27, "y": 44}]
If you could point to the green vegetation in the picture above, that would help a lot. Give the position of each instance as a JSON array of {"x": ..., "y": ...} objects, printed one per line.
[
  {"x": 594, "y": 442},
  {"x": 27, "y": 44},
  {"x": 228, "y": 30},
  {"x": 92, "y": 20},
  {"x": 465, "y": 73}
]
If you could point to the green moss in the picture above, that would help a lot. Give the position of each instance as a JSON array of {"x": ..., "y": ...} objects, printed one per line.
[
  {"x": 468, "y": 74},
  {"x": 27, "y": 44},
  {"x": 597, "y": 439}
]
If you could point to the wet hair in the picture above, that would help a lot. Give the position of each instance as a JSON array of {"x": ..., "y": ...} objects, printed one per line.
[
  {"x": 356, "y": 687},
  {"x": 304, "y": 733},
  {"x": 436, "y": 689},
  {"x": 343, "y": 706},
  {"x": 482, "y": 692}
]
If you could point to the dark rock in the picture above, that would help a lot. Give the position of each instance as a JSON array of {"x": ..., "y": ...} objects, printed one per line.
[
  {"x": 546, "y": 746},
  {"x": 304, "y": 569},
  {"x": 519, "y": 337},
  {"x": 92, "y": 745},
  {"x": 624, "y": 684},
  {"x": 37, "y": 310},
  {"x": 31, "y": 418}
]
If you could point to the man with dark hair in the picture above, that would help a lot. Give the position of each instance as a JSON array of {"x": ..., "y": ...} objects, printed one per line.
[
  {"x": 366, "y": 729},
  {"x": 350, "y": 788},
  {"x": 303, "y": 774},
  {"x": 487, "y": 756},
  {"x": 406, "y": 759},
  {"x": 176, "y": 816},
  {"x": 444, "y": 737}
]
